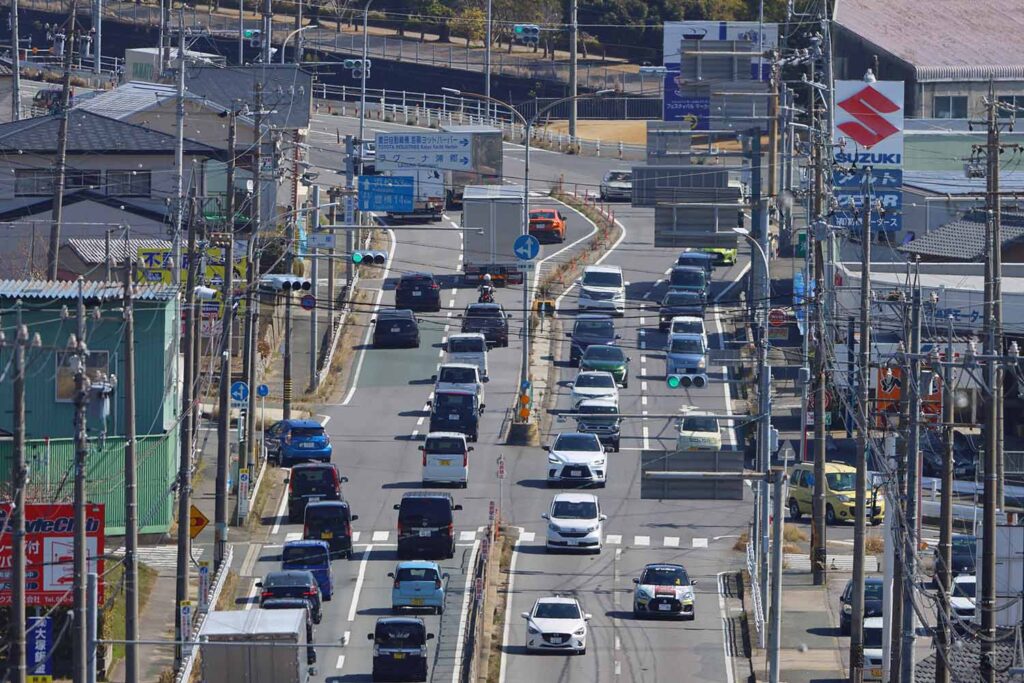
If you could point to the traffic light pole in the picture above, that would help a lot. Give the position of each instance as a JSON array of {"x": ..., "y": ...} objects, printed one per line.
[{"x": 286, "y": 406}]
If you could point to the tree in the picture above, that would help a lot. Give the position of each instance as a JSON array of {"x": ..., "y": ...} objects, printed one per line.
[
  {"x": 469, "y": 23},
  {"x": 437, "y": 14}
]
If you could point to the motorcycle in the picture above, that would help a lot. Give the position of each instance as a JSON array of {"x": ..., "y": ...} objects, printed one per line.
[{"x": 486, "y": 295}]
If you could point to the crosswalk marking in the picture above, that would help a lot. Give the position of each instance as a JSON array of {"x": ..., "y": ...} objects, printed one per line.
[
  {"x": 700, "y": 543},
  {"x": 467, "y": 535},
  {"x": 161, "y": 556},
  {"x": 802, "y": 562},
  {"x": 293, "y": 536},
  {"x": 355, "y": 536},
  {"x": 613, "y": 539},
  {"x": 527, "y": 536},
  {"x": 671, "y": 541},
  {"x": 380, "y": 536},
  {"x": 641, "y": 540}
]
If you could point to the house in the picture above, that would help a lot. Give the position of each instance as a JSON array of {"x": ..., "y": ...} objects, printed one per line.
[
  {"x": 118, "y": 174},
  {"x": 963, "y": 240},
  {"x": 49, "y": 392},
  {"x": 964, "y": 661},
  {"x": 946, "y": 61},
  {"x": 88, "y": 257}
]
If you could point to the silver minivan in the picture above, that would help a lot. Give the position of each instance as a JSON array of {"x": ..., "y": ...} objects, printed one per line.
[
  {"x": 446, "y": 459},
  {"x": 468, "y": 347}
]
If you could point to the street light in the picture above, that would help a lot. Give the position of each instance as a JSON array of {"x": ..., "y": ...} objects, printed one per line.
[
  {"x": 362, "y": 84},
  {"x": 289, "y": 37},
  {"x": 524, "y": 370}
]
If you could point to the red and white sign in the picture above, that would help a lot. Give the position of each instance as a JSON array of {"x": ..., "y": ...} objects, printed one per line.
[
  {"x": 776, "y": 317},
  {"x": 49, "y": 552},
  {"x": 869, "y": 123}
]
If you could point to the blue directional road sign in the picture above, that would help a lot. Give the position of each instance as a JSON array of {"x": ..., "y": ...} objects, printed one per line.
[
  {"x": 239, "y": 392},
  {"x": 443, "y": 151},
  {"x": 263, "y": 391},
  {"x": 526, "y": 247},
  {"x": 386, "y": 193}
]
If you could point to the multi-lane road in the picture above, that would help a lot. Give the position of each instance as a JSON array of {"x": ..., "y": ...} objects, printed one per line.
[{"x": 377, "y": 420}]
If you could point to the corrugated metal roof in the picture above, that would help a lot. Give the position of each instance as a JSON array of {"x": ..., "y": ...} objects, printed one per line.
[
  {"x": 68, "y": 289},
  {"x": 92, "y": 250},
  {"x": 946, "y": 34},
  {"x": 964, "y": 239},
  {"x": 970, "y": 72},
  {"x": 127, "y": 99}
]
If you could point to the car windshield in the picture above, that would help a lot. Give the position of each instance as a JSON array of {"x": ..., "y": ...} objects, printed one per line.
[
  {"x": 687, "y": 327},
  {"x": 873, "y": 637},
  {"x": 841, "y": 481},
  {"x": 612, "y": 353},
  {"x": 687, "y": 278},
  {"x": 556, "y": 610},
  {"x": 700, "y": 424},
  {"x": 566, "y": 509},
  {"x": 484, "y": 312},
  {"x": 303, "y": 556},
  {"x": 311, "y": 479},
  {"x": 964, "y": 545},
  {"x": 415, "y": 511},
  {"x": 285, "y": 580},
  {"x": 665, "y": 576},
  {"x": 457, "y": 375},
  {"x": 448, "y": 401},
  {"x": 399, "y": 635},
  {"x": 600, "y": 278},
  {"x": 594, "y": 327},
  {"x": 594, "y": 381},
  {"x": 681, "y": 299},
  {"x": 416, "y": 574},
  {"x": 444, "y": 444},
  {"x": 873, "y": 590},
  {"x": 964, "y": 589},
  {"x": 620, "y": 176},
  {"x": 543, "y": 214},
  {"x": 685, "y": 345},
  {"x": 577, "y": 442},
  {"x": 467, "y": 345},
  {"x": 306, "y": 432},
  {"x": 598, "y": 410}
]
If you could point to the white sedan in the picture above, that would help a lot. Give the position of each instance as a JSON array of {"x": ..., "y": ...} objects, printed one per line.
[
  {"x": 574, "y": 522},
  {"x": 594, "y": 384},
  {"x": 577, "y": 458},
  {"x": 556, "y": 624}
]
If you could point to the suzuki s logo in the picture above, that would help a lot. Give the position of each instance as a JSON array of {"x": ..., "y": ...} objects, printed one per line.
[{"x": 868, "y": 108}]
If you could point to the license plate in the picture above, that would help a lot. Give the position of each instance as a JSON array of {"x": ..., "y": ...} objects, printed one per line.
[
  {"x": 327, "y": 535},
  {"x": 876, "y": 672},
  {"x": 396, "y": 330},
  {"x": 313, "y": 499},
  {"x": 425, "y": 533},
  {"x": 417, "y": 293},
  {"x": 572, "y": 541},
  {"x": 417, "y": 601},
  {"x": 399, "y": 655},
  {"x": 453, "y": 416},
  {"x": 665, "y": 608},
  {"x": 307, "y": 445},
  {"x": 576, "y": 473},
  {"x": 556, "y": 641},
  {"x": 444, "y": 463}
]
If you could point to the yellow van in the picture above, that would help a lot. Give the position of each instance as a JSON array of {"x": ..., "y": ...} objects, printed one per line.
[{"x": 840, "y": 496}]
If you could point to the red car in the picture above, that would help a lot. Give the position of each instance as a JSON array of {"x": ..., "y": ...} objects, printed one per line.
[{"x": 547, "y": 225}]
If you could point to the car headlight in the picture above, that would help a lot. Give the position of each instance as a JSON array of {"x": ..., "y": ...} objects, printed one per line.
[
  {"x": 847, "y": 609},
  {"x": 581, "y": 631},
  {"x": 591, "y": 529},
  {"x": 554, "y": 527},
  {"x": 599, "y": 463},
  {"x": 532, "y": 631},
  {"x": 702, "y": 364},
  {"x": 552, "y": 460},
  {"x": 642, "y": 595},
  {"x": 843, "y": 498}
]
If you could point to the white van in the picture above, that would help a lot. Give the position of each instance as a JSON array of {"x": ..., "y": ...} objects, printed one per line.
[
  {"x": 468, "y": 347},
  {"x": 446, "y": 459},
  {"x": 461, "y": 376},
  {"x": 688, "y": 324}
]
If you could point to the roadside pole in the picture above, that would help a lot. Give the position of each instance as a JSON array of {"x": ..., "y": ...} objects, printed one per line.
[
  {"x": 915, "y": 386},
  {"x": 131, "y": 520},
  {"x": 945, "y": 557},
  {"x": 774, "y": 624},
  {"x": 312, "y": 228}
]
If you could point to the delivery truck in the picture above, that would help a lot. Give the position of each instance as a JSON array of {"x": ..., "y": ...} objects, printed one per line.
[
  {"x": 257, "y": 646},
  {"x": 428, "y": 193},
  {"x": 485, "y": 154},
  {"x": 492, "y": 218}
]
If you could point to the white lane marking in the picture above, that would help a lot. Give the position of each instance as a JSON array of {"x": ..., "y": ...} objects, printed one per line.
[
  {"x": 730, "y": 434},
  {"x": 419, "y": 421},
  {"x": 700, "y": 543},
  {"x": 415, "y": 433},
  {"x": 293, "y": 536},
  {"x": 250, "y": 600},
  {"x": 643, "y": 320},
  {"x": 325, "y": 420},
  {"x": 508, "y": 602},
  {"x": 451, "y": 303},
  {"x": 646, "y": 432},
  {"x": 467, "y": 535},
  {"x": 641, "y": 540},
  {"x": 643, "y": 360},
  {"x": 464, "y": 614},
  {"x": 281, "y": 511},
  {"x": 355, "y": 536},
  {"x": 369, "y": 328},
  {"x": 613, "y": 539},
  {"x": 725, "y": 628},
  {"x": 618, "y": 643},
  {"x": 618, "y": 668},
  {"x": 643, "y": 400},
  {"x": 341, "y": 662},
  {"x": 380, "y": 536},
  {"x": 527, "y": 536},
  {"x": 359, "y": 583},
  {"x": 250, "y": 560},
  {"x": 345, "y": 637},
  {"x": 643, "y": 385},
  {"x": 671, "y": 541}
]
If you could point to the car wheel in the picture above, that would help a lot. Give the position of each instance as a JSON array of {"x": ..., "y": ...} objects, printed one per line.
[
  {"x": 318, "y": 617},
  {"x": 875, "y": 521},
  {"x": 830, "y": 515},
  {"x": 794, "y": 510},
  {"x": 601, "y": 484},
  {"x": 625, "y": 384},
  {"x": 844, "y": 628}
]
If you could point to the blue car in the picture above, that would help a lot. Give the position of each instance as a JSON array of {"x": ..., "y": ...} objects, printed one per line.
[
  {"x": 313, "y": 556},
  {"x": 291, "y": 441},
  {"x": 418, "y": 585}
]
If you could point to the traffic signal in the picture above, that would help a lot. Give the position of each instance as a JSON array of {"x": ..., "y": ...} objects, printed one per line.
[
  {"x": 253, "y": 36},
  {"x": 698, "y": 380},
  {"x": 356, "y": 67},
  {"x": 527, "y": 34},
  {"x": 370, "y": 257},
  {"x": 285, "y": 283}
]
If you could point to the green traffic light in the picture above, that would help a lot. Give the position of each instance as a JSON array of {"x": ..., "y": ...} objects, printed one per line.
[
  {"x": 673, "y": 381},
  {"x": 520, "y": 28},
  {"x": 357, "y": 257}
]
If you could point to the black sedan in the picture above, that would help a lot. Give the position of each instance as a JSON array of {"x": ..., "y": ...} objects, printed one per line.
[
  {"x": 489, "y": 320},
  {"x": 418, "y": 292},
  {"x": 396, "y": 327},
  {"x": 679, "y": 303},
  {"x": 292, "y": 583},
  {"x": 872, "y": 602}
]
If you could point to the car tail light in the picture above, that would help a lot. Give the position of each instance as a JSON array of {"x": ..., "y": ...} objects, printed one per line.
[
  {"x": 465, "y": 458},
  {"x": 305, "y": 530},
  {"x": 348, "y": 529},
  {"x": 310, "y": 593},
  {"x": 397, "y": 584},
  {"x": 399, "y": 528},
  {"x": 437, "y": 583},
  {"x": 291, "y": 485},
  {"x": 435, "y": 286},
  {"x": 424, "y": 458},
  {"x": 451, "y": 529},
  {"x": 266, "y": 594}
]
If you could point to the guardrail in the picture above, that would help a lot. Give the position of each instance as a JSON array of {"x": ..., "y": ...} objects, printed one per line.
[
  {"x": 188, "y": 659},
  {"x": 476, "y": 584},
  {"x": 755, "y": 591}
]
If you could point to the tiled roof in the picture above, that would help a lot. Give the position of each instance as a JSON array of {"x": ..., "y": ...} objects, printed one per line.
[
  {"x": 951, "y": 39},
  {"x": 127, "y": 99},
  {"x": 92, "y": 250},
  {"x": 68, "y": 289},
  {"x": 964, "y": 239},
  {"x": 965, "y": 663},
  {"x": 287, "y": 90},
  {"x": 90, "y": 133}
]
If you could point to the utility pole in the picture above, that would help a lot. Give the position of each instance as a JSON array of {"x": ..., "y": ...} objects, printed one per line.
[
  {"x": 314, "y": 226},
  {"x": 863, "y": 442},
  {"x": 573, "y": 66},
  {"x": 19, "y": 472},
  {"x": 916, "y": 388},
  {"x": 251, "y": 278},
  {"x": 179, "y": 154},
  {"x": 227, "y": 244},
  {"x": 79, "y": 639},
  {"x": 60, "y": 172},
  {"x": 994, "y": 206},
  {"x": 185, "y": 459},
  {"x": 97, "y": 40},
  {"x": 15, "y": 64},
  {"x": 942, "y": 573},
  {"x": 332, "y": 219},
  {"x": 268, "y": 26},
  {"x": 488, "y": 38},
  {"x": 131, "y": 520},
  {"x": 349, "y": 187},
  {"x": 163, "y": 38},
  {"x": 774, "y": 624},
  {"x": 241, "y": 32},
  {"x": 286, "y": 404},
  {"x": 818, "y": 554}
]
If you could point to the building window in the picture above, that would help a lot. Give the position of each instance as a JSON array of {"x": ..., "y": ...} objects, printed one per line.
[
  {"x": 75, "y": 179},
  {"x": 96, "y": 367},
  {"x": 128, "y": 183},
  {"x": 33, "y": 182},
  {"x": 949, "y": 107},
  {"x": 1014, "y": 106}
]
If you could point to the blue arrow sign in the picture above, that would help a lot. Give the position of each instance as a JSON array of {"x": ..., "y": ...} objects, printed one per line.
[
  {"x": 262, "y": 390},
  {"x": 239, "y": 391},
  {"x": 526, "y": 247}
]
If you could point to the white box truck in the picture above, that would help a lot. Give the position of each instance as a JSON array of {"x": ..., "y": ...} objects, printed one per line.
[
  {"x": 486, "y": 156},
  {"x": 492, "y": 216},
  {"x": 427, "y": 193},
  {"x": 256, "y": 646}
]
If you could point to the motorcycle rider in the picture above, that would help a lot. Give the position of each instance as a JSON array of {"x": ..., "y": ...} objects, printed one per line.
[{"x": 486, "y": 290}]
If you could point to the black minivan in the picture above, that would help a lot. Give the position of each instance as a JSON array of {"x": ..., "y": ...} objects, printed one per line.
[
  {"x": 456, "y": 410},
  {"x": 400, "y": 649},
  {"x": 312, "y": 482},
  {"x": 426, "y": 525},
  {"x": 418, "y": 292},
  {"x": 396, "y": 328},
  {"x": 330, "y": 521}
]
